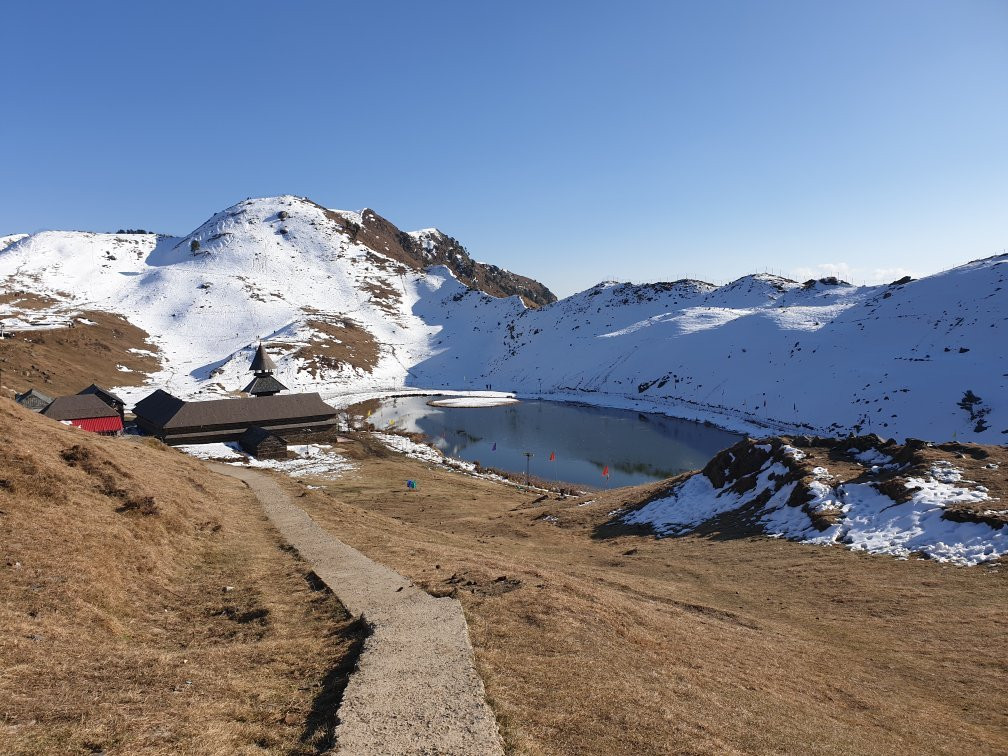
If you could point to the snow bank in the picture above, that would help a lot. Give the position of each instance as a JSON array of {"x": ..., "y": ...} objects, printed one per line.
[
  {"x": 411, "y": 448},
  {"x": 871, "y": 521},
  {"x": 316, "y": 460},
  {"x": 472, "y": 402},
  {"x": 860, "y": 516}
]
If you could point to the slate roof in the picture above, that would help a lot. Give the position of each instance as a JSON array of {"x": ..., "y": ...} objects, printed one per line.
[
  {"x": 33, "y": 393},
  {"x": 167, "y": 411},
  {"x": 159, "y": 407},
  {"x": 255, "y": 435},
  {"x": 104, "y": 394},
  {"x": 264, "y": 384},
  {"x": 78, "y": 407},
  {"x": 262, "y": 362}
]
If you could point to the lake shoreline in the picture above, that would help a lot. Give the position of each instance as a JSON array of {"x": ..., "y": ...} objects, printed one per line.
[{"x": 574, "y": 442}]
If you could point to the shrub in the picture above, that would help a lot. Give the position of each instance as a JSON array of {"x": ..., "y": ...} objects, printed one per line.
[
  {"x": 141, "y": 505},
  {"x": 973, "y": 404}
]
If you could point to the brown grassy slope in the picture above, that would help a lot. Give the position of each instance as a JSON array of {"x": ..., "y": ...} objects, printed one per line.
[
  {"x": 339, "y": 341},
  {"x": 716, "y": 644},
  {"x": 63, "y": 361},
  {"x": 119, "y": 631}
]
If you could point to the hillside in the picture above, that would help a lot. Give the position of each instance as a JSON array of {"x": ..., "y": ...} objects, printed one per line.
[
  {"x": 594, "y": 639},
  {"x": 147, "y": 606},
  {"x": 351, "y": 305},
  {"x": 422, "y": 249},
  {"x": 310, "y": 281},
  {"x": 96, "y": 347},
  {"x": 944, "y": 502},
  {"x": 760, "y": 353}
]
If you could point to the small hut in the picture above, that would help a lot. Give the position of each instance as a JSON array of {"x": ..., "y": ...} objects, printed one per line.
[
  {"x": 260, "y": 443},
  {"x": 87, "y": 412},
  {"x": 33, "y": 399},
  {"x": 108, "y": 397},
  {"x": 263, "y": 384}
]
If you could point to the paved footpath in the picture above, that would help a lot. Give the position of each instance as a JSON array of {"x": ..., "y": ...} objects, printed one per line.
[{"x": 416, "y": 690}]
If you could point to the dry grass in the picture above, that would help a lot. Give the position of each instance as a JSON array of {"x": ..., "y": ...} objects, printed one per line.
[
  {"x": 24, "y": 301},
  {"x": 148, "y": 607},
  {"x": 119, "y": 633},
  {"x": 382, "y": 295},
  {"x": 342, "y": 342},
  {"x": 720, "y": 643},
  {"x": 61, "y": 361}
]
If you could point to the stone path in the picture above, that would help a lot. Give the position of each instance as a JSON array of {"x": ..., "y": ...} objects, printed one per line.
[{"x": 416, "y": 690}]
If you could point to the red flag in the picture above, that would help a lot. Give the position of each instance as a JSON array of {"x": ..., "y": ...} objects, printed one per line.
[
  {"x": 605, "y": 471},
  {"x": 552, "y": 456}
]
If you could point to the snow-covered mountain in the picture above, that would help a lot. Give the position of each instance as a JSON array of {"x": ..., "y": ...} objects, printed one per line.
[
  {"x": 349, "y": 305},
  {"x": 331, "y": 291},
  {"x": 820, "y": 357}
]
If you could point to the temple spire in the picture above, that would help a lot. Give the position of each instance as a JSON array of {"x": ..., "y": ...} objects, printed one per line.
[{"x": 262, "y": 363}]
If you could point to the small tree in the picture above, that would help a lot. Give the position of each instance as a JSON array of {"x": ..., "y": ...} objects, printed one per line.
[{"x": 194, "y": 246}]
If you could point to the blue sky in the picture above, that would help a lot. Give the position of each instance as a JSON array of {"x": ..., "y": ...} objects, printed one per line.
[{"x": 572, "y": 142}]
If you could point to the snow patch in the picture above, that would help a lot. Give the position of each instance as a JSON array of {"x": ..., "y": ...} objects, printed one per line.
[
  {"x": 472, "y": 402},
  {"x": 316, "y": 460},
  {"x": 865, "y": 518}
]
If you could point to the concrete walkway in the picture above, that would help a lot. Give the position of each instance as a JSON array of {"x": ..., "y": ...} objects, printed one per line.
[{"x": 416, "y": 690}]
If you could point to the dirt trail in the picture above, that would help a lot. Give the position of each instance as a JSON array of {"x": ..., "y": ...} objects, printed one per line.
[{"x": 416, "y": 690}]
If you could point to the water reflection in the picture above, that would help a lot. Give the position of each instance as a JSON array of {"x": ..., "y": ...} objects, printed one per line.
[{"x": 636, "y": 447}]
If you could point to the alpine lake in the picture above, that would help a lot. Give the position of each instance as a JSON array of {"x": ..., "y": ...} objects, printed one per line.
[{"x": 582, "y": 440}]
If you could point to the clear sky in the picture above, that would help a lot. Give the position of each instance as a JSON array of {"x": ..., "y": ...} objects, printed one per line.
[{"x": 572, "y": 142}]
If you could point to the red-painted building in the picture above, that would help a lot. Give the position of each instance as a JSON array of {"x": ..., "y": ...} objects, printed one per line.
[{"x": 87, "y": 412}]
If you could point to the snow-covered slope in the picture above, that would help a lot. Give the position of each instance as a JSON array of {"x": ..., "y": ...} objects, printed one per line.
[
  {"x": 336, "y": 313},
  {"x": 761, "y": 352},
  {"x": 6, "y": 241},
  {"x": 349, "y": 305},
  {"x": 864, "y": 493}
]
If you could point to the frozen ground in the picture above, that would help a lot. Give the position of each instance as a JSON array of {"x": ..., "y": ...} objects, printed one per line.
[
  {"x": 316, "y": 460},
  {"x": 865, "y": 518}
]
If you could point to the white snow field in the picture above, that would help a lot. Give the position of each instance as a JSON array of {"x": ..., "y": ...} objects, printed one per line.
[{"x": 759, "y": 353}]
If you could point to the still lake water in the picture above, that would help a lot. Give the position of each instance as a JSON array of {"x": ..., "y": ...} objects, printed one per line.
[{"x": 637, "y": 447}]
